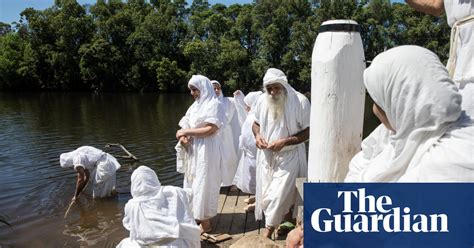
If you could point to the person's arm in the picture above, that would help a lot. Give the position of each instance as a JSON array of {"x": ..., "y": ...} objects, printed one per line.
[
  {"x": 207, "y": 130},
  {"x": 431, "y": 7},
  {"x": 300, "y": 137},
  {"x": 261, "y": 143},
  {"x": 82, "y": 179}
]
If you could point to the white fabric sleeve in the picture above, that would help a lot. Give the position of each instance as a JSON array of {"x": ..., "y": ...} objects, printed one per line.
[
  {"x": 215, "y": 114},
  {"x": 305, "y": 112},
  {"x": 258, "y": 110},
  {"x": 79, "y": 160}
]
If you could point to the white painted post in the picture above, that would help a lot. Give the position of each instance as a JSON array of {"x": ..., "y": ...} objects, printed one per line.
[{"x": 337, "y": 100}]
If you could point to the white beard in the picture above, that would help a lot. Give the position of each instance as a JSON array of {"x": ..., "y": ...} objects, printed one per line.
[{"x": 276, "y": 105}]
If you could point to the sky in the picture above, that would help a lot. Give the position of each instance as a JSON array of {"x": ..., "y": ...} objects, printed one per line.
[{"x": 10, "y": 9}]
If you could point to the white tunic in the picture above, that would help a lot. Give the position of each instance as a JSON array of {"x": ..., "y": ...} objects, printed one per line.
[
  {"x": 277, "y": 171},
  {"x": 158, "y": 215},
  {"x": 230, "y": 140},
  {"x": 434, "y": 140},
  {"x": 460, "y": 15},
  {"x": 203, "y": 172},
  {"x": 245, "y": 178},
  {"x": 102, "y": 167}
]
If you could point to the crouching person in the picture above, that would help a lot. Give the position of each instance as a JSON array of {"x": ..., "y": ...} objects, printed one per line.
[
  {"x": 90, "y": 162},
  {"x": 158, "y": 215}
]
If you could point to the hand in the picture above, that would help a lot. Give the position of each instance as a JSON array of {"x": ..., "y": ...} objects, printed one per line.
[
  {"x": 237, "y": 92},
  {"x": 184, "y": 140},
  {"x": 261, "y": 143},
  {"x": 180, "y": 133},
  {"x": 276, "y": 146}
]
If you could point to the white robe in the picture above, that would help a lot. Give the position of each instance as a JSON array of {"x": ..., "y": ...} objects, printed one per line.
[
  {"x": 460, "y": 16},
  {"x": 434, "y": 140},
  {"x": 158, "y": 215},
  {"x": 203, "y": 173},
  {"x": 245, "y": 178},
  {"x": 230, "y": 133},
  {"x": 277, "y": 171},
  {"x": 102, "y": 168}
]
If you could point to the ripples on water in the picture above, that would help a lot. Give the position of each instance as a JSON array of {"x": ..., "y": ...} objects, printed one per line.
[{"x": 35, "y": 190}]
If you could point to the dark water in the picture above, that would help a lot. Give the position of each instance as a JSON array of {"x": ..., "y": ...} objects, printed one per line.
[{"x": 35, "y": 191}]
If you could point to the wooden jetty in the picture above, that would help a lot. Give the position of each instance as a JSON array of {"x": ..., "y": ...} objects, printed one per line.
[{"x": 233, "y": 220}]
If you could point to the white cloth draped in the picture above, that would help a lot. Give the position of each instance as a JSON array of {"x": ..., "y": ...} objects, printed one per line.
[
  {"x": 230, "y": 133},
  {"x": 277, "y": 171},
  {"x": 204, "y": 154},
  {"x": 102, "y": 168},
  {"x": 240, "y": 107},
  {"x": 245, "y": 178},
  {"x": 158, "y": 215},
  {"x": 433, "y": 139},
  {"x": 460, "y": 15}
]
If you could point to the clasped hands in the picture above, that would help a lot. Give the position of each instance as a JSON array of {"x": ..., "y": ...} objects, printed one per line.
[
  {"x": 275, "y": 146},
  {"x": 182, "y": 137}
]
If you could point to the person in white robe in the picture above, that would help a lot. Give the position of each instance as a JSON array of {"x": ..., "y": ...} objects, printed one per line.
[
  {"x": 245, "y": 178},
  {"x": 199, "y": 133},
  {"x": 92, "y": 164},
  {"x": 425, "y": 135},
  {"x": 460, "y": 17},
  {"x": 158, "y": 216},
  {"x": 230, "y": 136},
  {"x": 281, "y": 126}
]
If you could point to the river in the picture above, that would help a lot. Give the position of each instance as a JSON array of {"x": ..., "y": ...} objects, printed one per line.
[{"x": 36, "y": 128}]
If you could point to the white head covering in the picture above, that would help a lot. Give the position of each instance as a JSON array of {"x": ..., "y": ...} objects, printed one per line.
[
  {"x": 66, "y": 159},
  {"x": 145, "y": 183},
  {"x": 273, "y": 76},
  {"x": 221, "y": 96},
  {"x": 251, "y": 98},
  {"x": 216, "y": 82},
  {"x": 421, "y": 102},
  {"x": 204, "y": 86},
  {"x": 158, "y": 214},
  {"x": 205, "y": 109}
]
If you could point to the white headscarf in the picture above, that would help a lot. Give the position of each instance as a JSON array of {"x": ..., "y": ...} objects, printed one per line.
[
  {"x": 220, "y": 86},
  {"x": 273, "y": 76},
  {"x": 205, "y": 109},
  {"x": 158, "y": 214},
  {"x": 421, "y": 103},
  {"x": 251, "y": 99}
]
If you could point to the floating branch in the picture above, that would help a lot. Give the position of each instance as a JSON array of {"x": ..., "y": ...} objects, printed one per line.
[{"x": 130, "y": 155}]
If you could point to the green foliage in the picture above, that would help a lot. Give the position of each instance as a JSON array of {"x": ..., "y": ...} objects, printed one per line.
[{"x": 157, "y": 45}]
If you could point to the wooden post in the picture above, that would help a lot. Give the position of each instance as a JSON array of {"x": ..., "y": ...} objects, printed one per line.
[{"x": 337, "y": 100}]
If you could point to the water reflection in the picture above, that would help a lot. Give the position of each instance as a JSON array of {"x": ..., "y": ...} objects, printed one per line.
[
  {"x": 35, "y": 190},
  {"x": 94, "y": 221}
]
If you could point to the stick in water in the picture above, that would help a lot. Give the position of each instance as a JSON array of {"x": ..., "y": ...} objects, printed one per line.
[{"x": 69, "y": 208}]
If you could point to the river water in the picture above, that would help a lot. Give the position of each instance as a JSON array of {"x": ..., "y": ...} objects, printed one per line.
[{"x": 35, "y": 191}]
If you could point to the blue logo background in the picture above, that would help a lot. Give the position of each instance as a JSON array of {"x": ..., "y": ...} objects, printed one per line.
[{"x": 456, "y": 200}]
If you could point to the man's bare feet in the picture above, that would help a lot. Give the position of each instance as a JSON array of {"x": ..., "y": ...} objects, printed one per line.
[
  {"x": 250, "y": 200},
  {"x": 250, "y": 208},
  {"x": 205, "y": 226},
  {"x": 268, "y": 232}
]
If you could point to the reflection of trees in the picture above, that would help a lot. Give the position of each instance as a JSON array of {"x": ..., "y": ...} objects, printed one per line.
[{"x": 99, "y": 223}]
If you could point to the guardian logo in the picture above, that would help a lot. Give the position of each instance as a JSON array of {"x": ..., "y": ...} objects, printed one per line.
[
  {"x": 374, "y": 213},
  {"x": 389, "y": 215}
]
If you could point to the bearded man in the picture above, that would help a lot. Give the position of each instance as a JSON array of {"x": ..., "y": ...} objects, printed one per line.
[{"x": 281, "y": 126}]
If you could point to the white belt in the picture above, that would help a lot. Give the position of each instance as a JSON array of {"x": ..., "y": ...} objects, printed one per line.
[{"x": 451, "y": 65}]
